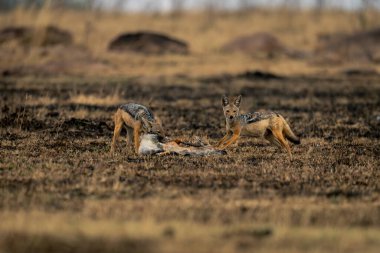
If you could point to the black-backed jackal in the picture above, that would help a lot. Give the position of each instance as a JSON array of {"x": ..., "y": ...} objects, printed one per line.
[
  {"x": 137, "y": 119},
  {"x": 268, "y": 125}
]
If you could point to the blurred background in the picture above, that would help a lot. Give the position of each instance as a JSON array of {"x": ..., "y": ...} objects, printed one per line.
[{"x": 182, "y": 37}]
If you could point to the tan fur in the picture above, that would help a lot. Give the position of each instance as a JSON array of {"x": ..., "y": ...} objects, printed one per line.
[{"x": 271, "y": 126}]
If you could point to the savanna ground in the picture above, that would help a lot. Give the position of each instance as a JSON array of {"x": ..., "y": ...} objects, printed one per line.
[{"x": 60, "y": 189}]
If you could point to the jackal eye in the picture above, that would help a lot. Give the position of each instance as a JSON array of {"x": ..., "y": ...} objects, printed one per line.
[
  {"x": 227, "y": 111},
  {"x": 234, "y": 111}
]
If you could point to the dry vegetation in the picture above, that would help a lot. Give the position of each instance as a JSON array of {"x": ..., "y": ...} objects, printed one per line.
[
  {"x": 92, "y": 31},
  {"x": 61, "y": 191},
  {"x": 56, "y": 173}
]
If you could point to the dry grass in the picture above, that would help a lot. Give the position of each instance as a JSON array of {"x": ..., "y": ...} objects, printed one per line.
[
  {"x": 205, "y": 34},
  {"x": 146, "y": 234},
  {"x": 95, "y": 100}
]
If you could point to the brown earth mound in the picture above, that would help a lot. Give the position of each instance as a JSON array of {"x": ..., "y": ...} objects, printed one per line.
[
  {"x": 28, "y": 36},
  {"x": 148, "y": 43},
  {"x": 52, "y": 61},
  {"x": 361, "y": 71},
  {"x": 260, "y": 44},
  {"x": 363, "y": 46}
]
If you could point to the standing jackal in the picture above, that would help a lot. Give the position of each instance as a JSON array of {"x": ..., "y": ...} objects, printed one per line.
[
  {"x": 269, "y": 125},
  {"x": 136, "y": 118}
]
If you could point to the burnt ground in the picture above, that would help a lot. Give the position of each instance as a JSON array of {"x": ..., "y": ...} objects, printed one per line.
[{"x": 54, "y": 159}]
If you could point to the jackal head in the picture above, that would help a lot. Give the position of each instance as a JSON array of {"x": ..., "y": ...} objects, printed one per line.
[
  {"x": 231, "y": 107},
  {"x": 152, "y": 126}
]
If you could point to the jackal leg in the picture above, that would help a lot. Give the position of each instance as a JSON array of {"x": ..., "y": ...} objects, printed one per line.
[
  {"x": 136, "y": 136},
  {"x": 231, "y": 140},
  {"x": 273, "y": 140},
  {"x": 129, "y": 137},
  {"x": 116, "y": 133},
  {"x": 284, "y": 144},
  {"x": 224, "y": 139}
]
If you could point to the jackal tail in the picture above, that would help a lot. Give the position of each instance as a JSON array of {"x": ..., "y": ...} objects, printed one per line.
[{"x": 289, "y": 133}]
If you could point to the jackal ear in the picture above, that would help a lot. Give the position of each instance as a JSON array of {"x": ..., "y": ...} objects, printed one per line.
[
  {"x": 225, "y": 100},
  {"x": 238, "y": 101}
]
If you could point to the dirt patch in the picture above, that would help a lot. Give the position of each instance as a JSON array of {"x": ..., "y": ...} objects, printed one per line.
[
  {"x": 148, "y": 43},
  {"x": 256, "y": 74},
  {"x": 359, "y": 46},
  {"x": 57, "y": 60},
  {"x": 84, "y": 127},
  {"x": 23, "y": 119},
  {"x": 260, "y": 44},
  {"x": 247, "y": 75},
  {"x": 54, "y": 155},
  {"x": 367, "y": 72},
  {"x": 49, "y": 243},
  {"x": 29, "y": 37}
]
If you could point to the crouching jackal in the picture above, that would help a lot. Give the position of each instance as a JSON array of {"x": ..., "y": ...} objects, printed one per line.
[
  {"x": 137, "y": 119},
  {"x": 269, "y": 125}
]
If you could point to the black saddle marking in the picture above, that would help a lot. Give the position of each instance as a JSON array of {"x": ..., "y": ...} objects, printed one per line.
[
  {"x": 258, "y": 116},
  {"x": 133, "y": 108}
]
